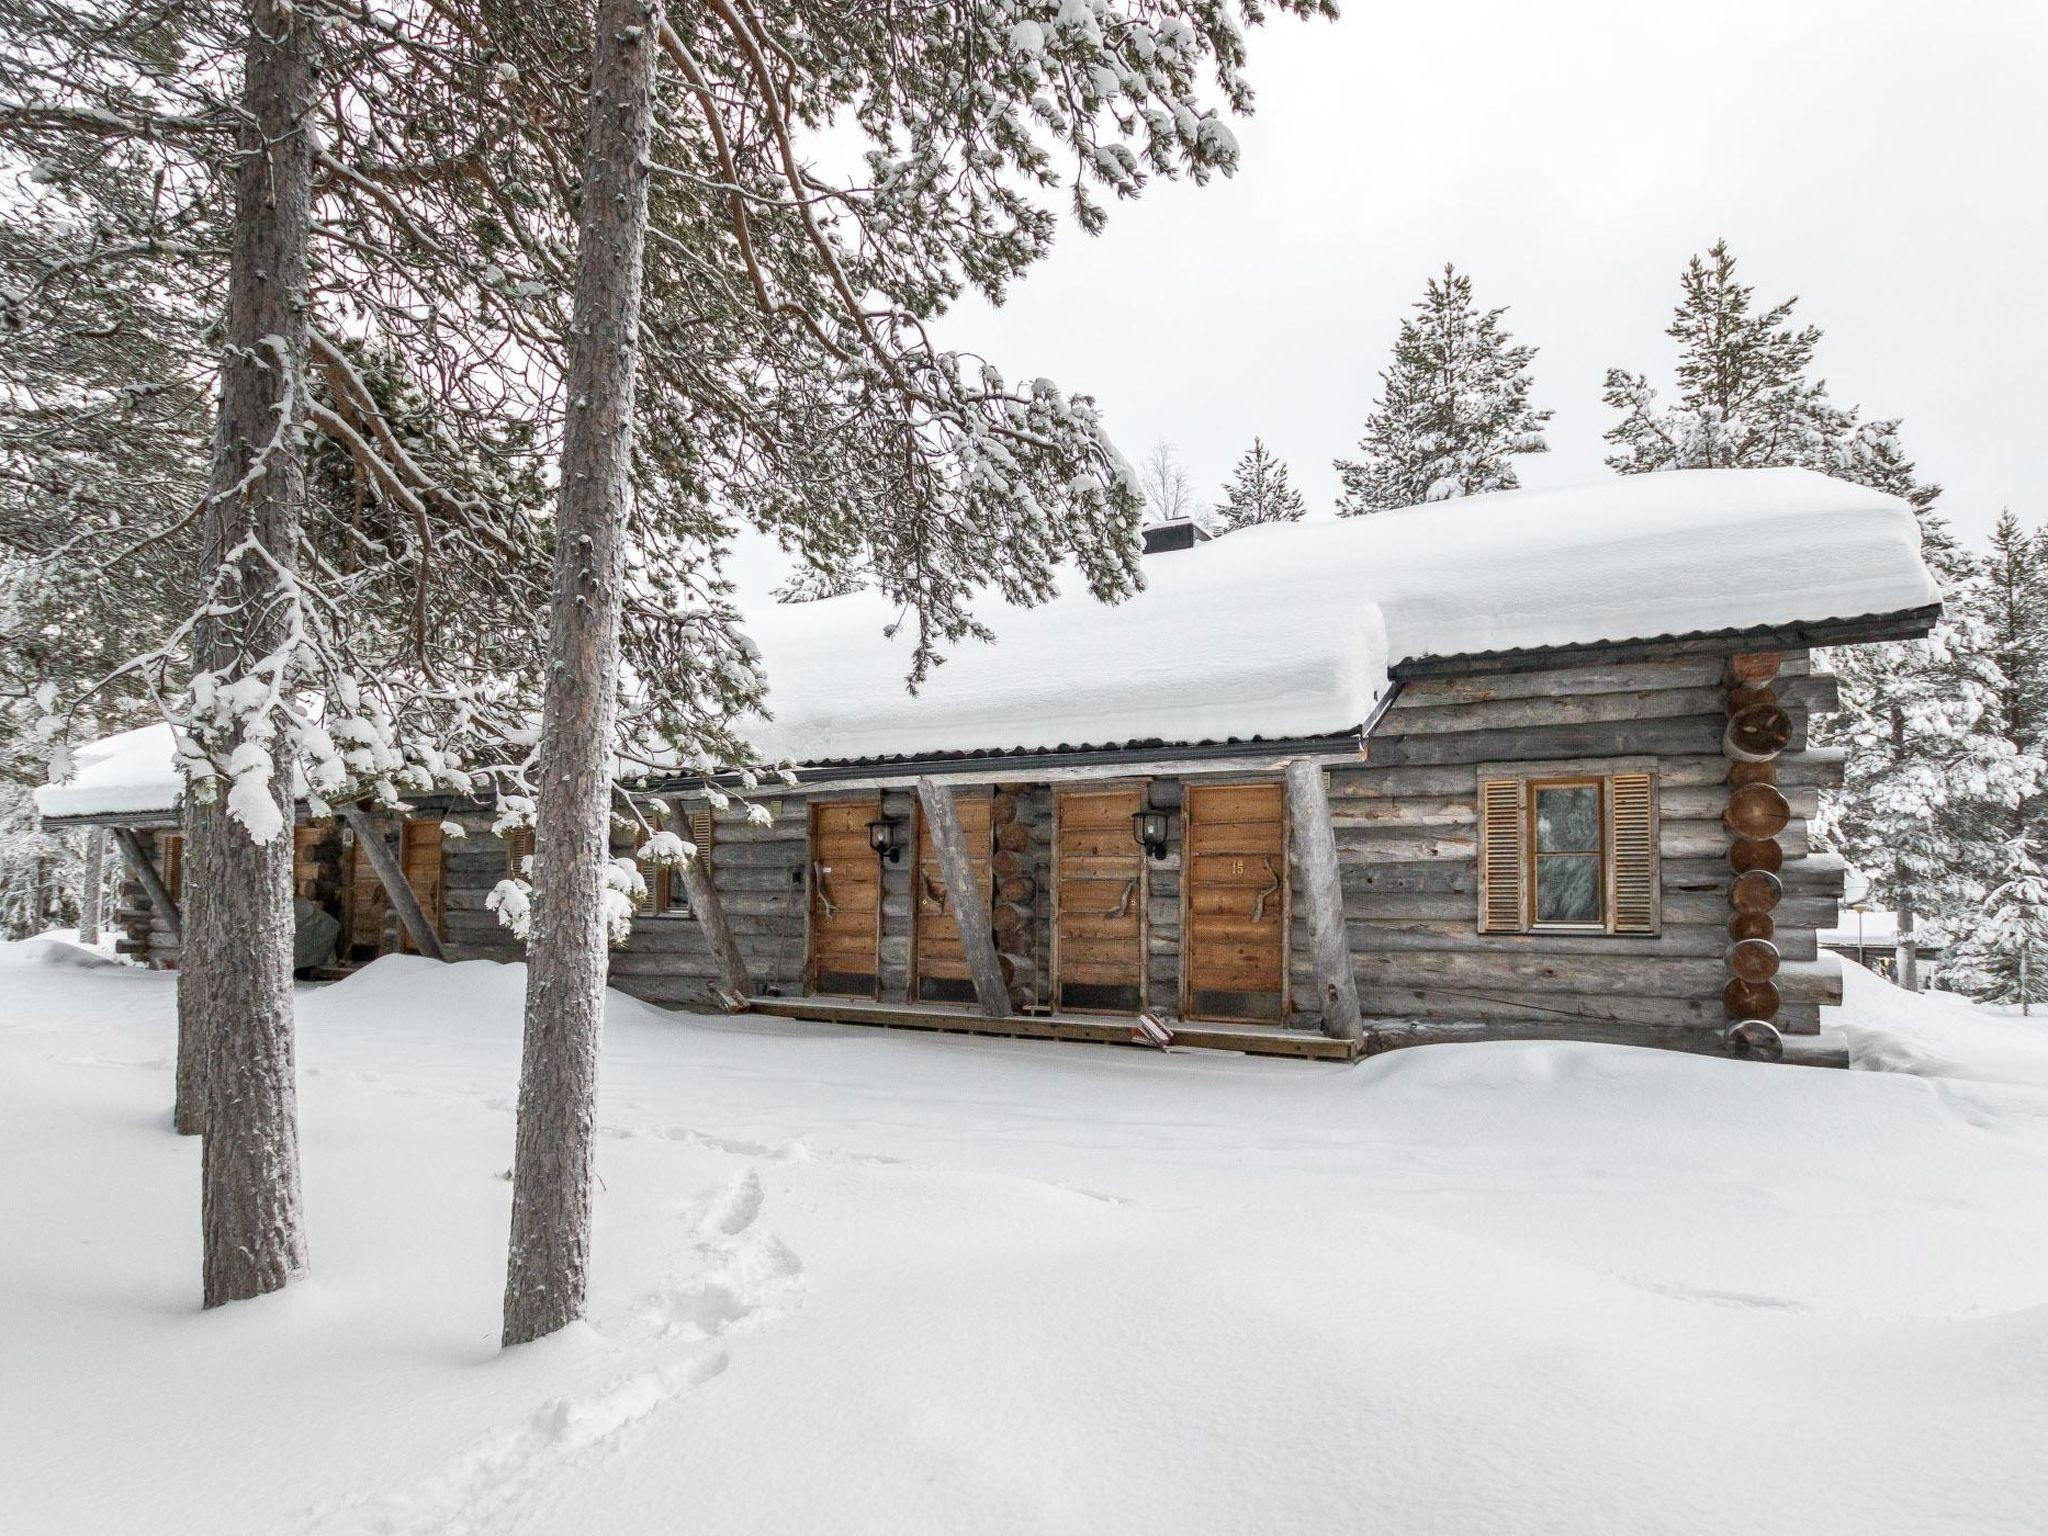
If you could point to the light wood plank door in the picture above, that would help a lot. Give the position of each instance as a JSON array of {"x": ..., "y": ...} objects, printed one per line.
[
  {"x": 419, "y": 855},
  {"x": 364, "y": 906},
  {"x": 1234, "y": 954},
  {"x": 939, "y": 972},
  {"x": 1098, "y": 945},
  {"x": 846, "y": 899}
]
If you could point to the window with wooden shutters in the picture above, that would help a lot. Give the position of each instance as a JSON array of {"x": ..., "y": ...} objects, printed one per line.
[
  {"x": 667, "y": 895},
  {"x": 1632, "y": 816},
  {"x": 1500, "y": 856},
  {"x": 1568, "y": 848}
]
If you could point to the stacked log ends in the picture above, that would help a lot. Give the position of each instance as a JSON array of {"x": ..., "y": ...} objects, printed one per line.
[
  {"x": 1749, "y": 853},
  {"x": 1756, "y": 892},
  {"x": 1757, "y": 811},
  {"x": 1011, "y": 901},
  {"x": 1749, "y": 925},
  {"x": 1751, "y": 999},
  {"x": 1757, "y": 734},
  {"x": 1758, "y": 730},
  {"x": 1752, "y": 960},
  {"x": 1756, "y": 1039}
]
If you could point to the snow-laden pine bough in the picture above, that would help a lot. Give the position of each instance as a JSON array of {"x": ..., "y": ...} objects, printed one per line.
[{"x": 1559, "y": 784}]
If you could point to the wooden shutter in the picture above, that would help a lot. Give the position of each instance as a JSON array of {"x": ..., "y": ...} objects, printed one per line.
[
  {"x": 1632, "y": 805},
  {"x": 700, "y": 827},
  {"x": 1501, "y": 907},
  {"x": 518, "y": 849}
]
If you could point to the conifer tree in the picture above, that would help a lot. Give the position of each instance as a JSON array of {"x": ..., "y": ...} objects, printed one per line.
[
  {"x": 1453, "y": 410},
  {"x": 1259, "y": 493},
  {"x": 2004, "y": 958},
  {"x": 2006, "y": 606},
  {"x": 1745, "y": 401}
]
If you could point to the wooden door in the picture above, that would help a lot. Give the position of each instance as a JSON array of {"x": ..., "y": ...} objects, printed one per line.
[
  {"x": 365, "y": 904},
  {"x": 846, "y": 899},
  {"x": 419, "y": 855},
  {"x": 1234, "y": 956},
  {"x": 1098, "y": 933},
  {"x": 938, "y": 967}
]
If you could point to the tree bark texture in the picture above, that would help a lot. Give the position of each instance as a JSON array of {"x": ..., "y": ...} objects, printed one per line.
[
  {"x": 546, "y": 1271},
  {"x": 92, "y": 897},
  {"x": 970, "y": 908},
  {"x": 237, "y": 989},
  {"x": 1315, "y": 844}
]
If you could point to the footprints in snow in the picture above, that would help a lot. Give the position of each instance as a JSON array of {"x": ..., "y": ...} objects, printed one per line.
[
  {"x": 736, "y": 1273},
  {"x": 733, "y": 1273}
]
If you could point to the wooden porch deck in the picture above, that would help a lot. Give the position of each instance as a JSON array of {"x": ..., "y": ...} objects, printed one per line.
[
  {"x": 1095, "y": 1029},
  {"x": 1824, "y": 1050}
]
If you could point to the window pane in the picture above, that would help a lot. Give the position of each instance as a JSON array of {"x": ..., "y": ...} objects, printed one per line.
[
  {"x": 1568, "y": 889},
  {"x": 1568, "y": 818}
]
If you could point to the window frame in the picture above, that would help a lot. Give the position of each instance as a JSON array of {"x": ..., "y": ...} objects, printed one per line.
[
  {"x": 1645, "y": 917},
  {"x": 1533, "y": 854}
]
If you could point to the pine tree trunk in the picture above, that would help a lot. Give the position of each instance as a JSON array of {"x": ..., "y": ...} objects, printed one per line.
[
  {"x": 90, "y": 898},
  {"x": 1909, "y": 949},
  {"x": 566, "y": 962},
  {"x": 237, "y": 989}
]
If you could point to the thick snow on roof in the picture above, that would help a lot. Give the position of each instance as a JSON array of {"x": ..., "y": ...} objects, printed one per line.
[
  {"x": 1287, "y": 630},
  {"x": 134, "y": 773}
]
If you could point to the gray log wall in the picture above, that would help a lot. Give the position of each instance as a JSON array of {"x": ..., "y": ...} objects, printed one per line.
[{"x": 1406, "y": 822}]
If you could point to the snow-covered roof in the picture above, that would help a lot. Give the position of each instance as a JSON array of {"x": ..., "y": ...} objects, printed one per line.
[
  {"x": 1289, "y": 630},
  {"x": 134, "y": 773}
]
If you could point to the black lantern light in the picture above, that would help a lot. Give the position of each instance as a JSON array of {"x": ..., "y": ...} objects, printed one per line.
[
  {"x": 1149, "y": 829},
  {"x": 885, "y": 836}
]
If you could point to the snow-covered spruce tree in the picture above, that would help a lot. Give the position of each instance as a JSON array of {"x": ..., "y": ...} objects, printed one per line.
[
  {"x": 1453, "y": 410},
  {"x": 2004, "y": 954},
  {"x": 2005, "y": 602},
  {"x": 1918, "y": 761},
  {"x": 863, "y": 439},
  {"x": 1259, "y": 493},
  {"x": 1745, "y": 400}
]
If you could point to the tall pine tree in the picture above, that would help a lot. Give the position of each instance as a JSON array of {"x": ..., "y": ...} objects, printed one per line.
[
  {"x": 1259, "y": 493},
  {"x": 2005, "y": 957},
  {"x": 1919, "y": 769},
  {"x": 1745, "y": 401},
  {"x": 1453, "y": 409}
]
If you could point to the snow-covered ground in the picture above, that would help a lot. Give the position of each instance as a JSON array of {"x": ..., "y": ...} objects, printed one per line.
[{"x": 866, "y": 1281}]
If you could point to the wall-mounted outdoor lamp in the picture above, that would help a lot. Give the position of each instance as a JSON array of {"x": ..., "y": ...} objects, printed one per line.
[
  {"x": 1149, "y": 828},
  {"x": 887, "y": 837}
]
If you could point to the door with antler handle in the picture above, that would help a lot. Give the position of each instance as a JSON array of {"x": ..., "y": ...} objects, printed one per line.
[
  {"x": 846, "y": 899},
  {"x": 1234, "y": 941},
  {"x": 1098, "y": 902}
]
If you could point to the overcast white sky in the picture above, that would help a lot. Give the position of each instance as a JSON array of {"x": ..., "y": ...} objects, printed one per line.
[{"x": 1886, "y": 160}]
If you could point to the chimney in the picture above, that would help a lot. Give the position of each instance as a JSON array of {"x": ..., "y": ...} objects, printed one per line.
[{"x": 1174, "y": 533}]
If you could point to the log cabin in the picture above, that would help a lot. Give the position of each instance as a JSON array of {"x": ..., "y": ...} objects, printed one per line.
[{"x": 1529, "y": 765}]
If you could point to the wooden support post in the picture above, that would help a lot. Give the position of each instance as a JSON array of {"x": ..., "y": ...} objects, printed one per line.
[
  {"x": 970, "y": 911},
  {"x": 1315, "y": 846},
  {"x": 725, "y": 949},
  {"x": 145, "y": 870},
  {"x": 391, "y": 874}
]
